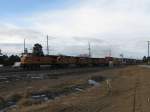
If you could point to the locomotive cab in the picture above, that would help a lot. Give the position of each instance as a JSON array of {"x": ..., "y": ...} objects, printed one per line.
[{"x": 26, "y": 61}]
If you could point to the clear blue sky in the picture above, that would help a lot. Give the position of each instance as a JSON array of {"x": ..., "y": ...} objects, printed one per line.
[{"x": 23, "y": 7}]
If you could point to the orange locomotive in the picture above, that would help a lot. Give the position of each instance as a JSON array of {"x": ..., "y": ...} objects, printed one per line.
[
  {"x": 29, "y": 61},
  {"x": 36, "y": 58}
]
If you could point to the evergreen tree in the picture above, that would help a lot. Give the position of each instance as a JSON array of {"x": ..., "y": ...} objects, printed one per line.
[{"x": 37, "y": 50}]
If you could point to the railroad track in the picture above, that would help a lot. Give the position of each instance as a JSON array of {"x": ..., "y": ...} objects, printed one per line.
[
  {"x": 16, "y": 74},
  {"x": 13, "y": 75},
  {"x": 20, "y": 70}
]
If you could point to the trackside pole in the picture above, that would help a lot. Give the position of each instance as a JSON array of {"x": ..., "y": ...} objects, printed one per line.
[{"x": 108, "y": 86}]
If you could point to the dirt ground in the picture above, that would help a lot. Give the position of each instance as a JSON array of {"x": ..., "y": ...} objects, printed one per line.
[{"x": 130, "y": 93}]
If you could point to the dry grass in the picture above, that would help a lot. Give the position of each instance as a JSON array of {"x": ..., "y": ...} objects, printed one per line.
[{"x": 97, "y": 99}]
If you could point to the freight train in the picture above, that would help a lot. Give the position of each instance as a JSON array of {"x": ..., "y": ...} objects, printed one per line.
[{"x": 30, "y": 61}]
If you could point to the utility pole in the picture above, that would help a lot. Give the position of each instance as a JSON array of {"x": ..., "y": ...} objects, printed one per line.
[
  {"x": 89, "y": 49},
  {"x": 110, "y": 52},
  {"x": 25, "y": 49},
  {"x": 47, "y": 46},
  {"x": 148, "y": 50},
  {"x": 148, "y": 47},
  {"x": 24, "y": 45}
]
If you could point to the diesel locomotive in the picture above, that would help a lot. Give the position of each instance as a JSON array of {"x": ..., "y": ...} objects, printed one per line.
[
  {"x": 35, "y": 59},
  {"x": 29, "y": 61}
]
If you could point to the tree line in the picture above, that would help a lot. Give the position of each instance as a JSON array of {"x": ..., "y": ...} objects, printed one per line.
[
  {"x": 9, "y": 60},
  {"x": 146, "y": 59}
]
